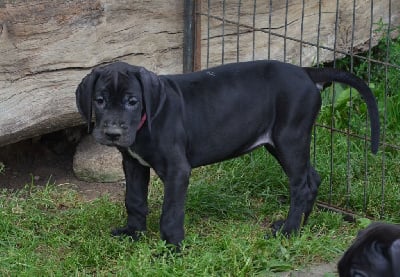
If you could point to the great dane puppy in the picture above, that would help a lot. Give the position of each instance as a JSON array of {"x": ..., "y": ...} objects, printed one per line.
[
  {"x": 173, "y": 123},
  {"x": 375, "y": 253}
]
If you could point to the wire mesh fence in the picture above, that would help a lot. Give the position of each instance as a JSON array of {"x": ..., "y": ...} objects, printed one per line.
[{"x": 358, "y": 36}]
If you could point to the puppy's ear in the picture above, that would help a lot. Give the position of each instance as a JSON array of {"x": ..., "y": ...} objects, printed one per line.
[
  {"x": 84, "y": 96},
  {"x": 153, "y": 94}
]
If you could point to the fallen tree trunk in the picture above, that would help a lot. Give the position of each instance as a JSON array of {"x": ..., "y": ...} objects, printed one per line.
[{"x": 47, "y": 47}]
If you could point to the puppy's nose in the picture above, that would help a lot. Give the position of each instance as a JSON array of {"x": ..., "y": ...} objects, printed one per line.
[{"x": 113, "y": 133}]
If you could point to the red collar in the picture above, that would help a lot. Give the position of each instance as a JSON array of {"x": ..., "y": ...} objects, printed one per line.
[{"x": 144, "y": 117}]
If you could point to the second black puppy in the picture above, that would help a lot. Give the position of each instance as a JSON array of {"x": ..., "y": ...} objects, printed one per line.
[
  {"x": 375, "y": 253},
  {"x": 174, "y": 123}
]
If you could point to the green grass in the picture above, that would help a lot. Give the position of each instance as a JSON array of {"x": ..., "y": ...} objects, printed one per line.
[{"x": 52, "y": 231}]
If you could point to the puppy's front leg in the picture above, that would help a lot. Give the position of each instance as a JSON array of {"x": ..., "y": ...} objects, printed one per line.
[
  {"x": 176, "y": 182},
  {"x": 137, "y": 179}
]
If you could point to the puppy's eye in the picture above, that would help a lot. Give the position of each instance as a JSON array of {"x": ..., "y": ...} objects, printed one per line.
[
  {"x": 99, "y": 101},
  {"x": 132, "y": 101}
]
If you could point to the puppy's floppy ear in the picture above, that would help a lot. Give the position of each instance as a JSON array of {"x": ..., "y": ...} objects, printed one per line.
[
  {"x": 84, "y": 96},
  {"x": 153, "y": 94}
]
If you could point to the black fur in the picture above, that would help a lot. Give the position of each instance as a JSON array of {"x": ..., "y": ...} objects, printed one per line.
[{"x": 374, "y": 253}]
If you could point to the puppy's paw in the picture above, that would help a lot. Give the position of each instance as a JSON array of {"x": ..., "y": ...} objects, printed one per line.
[
  {"x": 127, "y": 232},
  {"x": 275, "y": 229},
  {"x": 278, "y": 226}
]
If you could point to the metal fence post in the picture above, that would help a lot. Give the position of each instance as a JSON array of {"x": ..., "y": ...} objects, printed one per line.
[
  {"x": 188, "y": 32},
  {"x": 191, "y": 36}
]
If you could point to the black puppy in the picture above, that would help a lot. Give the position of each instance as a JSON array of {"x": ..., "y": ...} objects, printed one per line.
[
  {"x": 375, "y": 253},
  {"x": 174, "y": 123}
]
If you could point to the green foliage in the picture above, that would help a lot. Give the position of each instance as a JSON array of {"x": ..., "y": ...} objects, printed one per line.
[
  {"x": 356, "y": 179},
  {"x": 383, "y": 74},
  {"x": 364, "y": 222}
]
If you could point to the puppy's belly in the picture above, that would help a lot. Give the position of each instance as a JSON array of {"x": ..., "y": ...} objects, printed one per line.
[
  {"x": 209, "y": 154},
  {"x": 261, "y": 140}
]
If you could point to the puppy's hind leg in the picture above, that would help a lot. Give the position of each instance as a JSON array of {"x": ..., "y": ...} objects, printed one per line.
[{"x": 292, "y": 152}]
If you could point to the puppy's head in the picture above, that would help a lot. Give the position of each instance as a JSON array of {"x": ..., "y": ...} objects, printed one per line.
[
  {"x": 375, "y": 253},
  {"x": 121, "y": 96}
]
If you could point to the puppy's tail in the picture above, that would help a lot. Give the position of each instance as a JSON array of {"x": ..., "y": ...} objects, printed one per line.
[{"x": 321, "y": 76}]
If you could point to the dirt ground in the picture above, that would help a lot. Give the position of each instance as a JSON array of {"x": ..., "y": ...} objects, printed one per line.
[{"x": 49, "y": 160}]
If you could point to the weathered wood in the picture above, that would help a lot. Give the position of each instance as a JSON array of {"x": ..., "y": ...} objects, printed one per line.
[{"x": 47, "y": 47}]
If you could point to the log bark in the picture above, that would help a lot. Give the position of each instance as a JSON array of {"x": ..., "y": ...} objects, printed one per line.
[{"x": 48, "y": 46}]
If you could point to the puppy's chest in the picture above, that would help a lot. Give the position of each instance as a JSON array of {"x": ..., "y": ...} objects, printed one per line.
[{"x": 137, "y": 157}]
